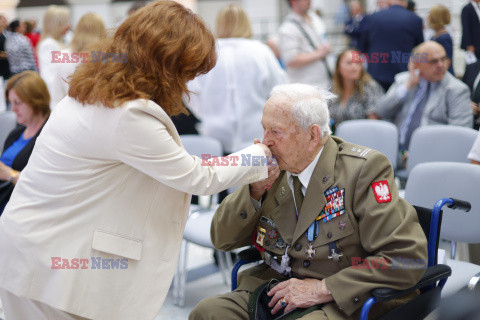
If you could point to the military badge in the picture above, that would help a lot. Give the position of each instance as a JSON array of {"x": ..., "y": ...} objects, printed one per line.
[
  {"x": 382, "y": 191},
  {"x": 342, "y": 225},
  {"x": 260, "y": 236},
  {"x": 335, "y": 205},
  {"x": 280, "y": 243},
  {"x": 310, "y": 252},
  {"x": 272, "y": 234}
]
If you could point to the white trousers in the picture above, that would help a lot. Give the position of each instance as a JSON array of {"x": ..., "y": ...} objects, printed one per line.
[{"x": 17, "y": 308}]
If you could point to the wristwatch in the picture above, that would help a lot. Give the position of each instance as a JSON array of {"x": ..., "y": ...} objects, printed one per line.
[{"x": 13, "y": 175}]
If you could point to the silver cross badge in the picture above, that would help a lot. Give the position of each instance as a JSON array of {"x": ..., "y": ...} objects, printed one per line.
[{"x": 335, "y": 257}]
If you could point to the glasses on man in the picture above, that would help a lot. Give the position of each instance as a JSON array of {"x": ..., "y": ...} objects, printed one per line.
[{"x": 443, "y": 60}]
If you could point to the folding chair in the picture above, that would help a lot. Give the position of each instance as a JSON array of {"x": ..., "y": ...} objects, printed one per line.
[
  {"x": 197, "y": 229},
  {"x": 445, "y": 143},
  {"x": 427, "y": 301},
  {"x": 8, "y": 122},
  {"x": 430, "y": 181},
  {"x": 376, "y": 134}
]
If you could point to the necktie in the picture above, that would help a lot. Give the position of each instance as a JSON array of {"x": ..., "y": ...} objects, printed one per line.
[
  {"x": 297, "y": 191},
  {"x": 413, "y": 120}
]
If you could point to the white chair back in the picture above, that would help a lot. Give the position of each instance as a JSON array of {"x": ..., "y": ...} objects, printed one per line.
[
  {"x": 428, "y": 182},
  {"x": 376, "y": 134},
  {"x": 440, "y": 143},
  {"x": 8, "y": 122},
  {"x": 197, "y": 145}
]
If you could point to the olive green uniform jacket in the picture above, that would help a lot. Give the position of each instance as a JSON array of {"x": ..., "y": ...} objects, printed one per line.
[{"x": 376, "y": 230}]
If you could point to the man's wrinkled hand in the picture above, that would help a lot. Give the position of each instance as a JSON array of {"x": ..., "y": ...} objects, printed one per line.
[{"x": 298, "y": 294}]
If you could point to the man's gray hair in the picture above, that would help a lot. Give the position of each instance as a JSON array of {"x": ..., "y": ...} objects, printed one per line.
[{"x": 309, "y": 105}]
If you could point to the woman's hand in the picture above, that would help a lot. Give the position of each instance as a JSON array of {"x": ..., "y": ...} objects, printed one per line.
[
  {"x": 258, "y": 189},
  {"x": 296, "y": 293},
  {"x": 5, "y": 172}
]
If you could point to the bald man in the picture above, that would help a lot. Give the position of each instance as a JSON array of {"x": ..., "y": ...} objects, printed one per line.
[{"x": 426, "y": 94}]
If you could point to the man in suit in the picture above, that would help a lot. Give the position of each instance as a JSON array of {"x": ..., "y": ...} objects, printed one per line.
[
  {"x": 471, "y": 78},
  {"x": 471, "y": 27},
  {"x": 426, "y": 94},
  {"x": 390, "y": 34},
  {"x": 326, "y": 224}
]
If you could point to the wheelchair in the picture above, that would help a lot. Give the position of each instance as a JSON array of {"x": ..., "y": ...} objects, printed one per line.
[{"x": 430, "y": 285}]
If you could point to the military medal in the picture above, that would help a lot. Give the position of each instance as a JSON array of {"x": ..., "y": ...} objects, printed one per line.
[
  {"x": 272, "y": 234},
  {"x": 260, "y": 236},
  {"x": 335, "y": 257},
  {"x": 280, "y": 243},
  {"x": 310, "y": 252}
]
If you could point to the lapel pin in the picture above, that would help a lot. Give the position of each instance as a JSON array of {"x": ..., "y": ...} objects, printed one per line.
[
  {"x": 325, "y": 179},
  {"x": 282, "y": 191}
]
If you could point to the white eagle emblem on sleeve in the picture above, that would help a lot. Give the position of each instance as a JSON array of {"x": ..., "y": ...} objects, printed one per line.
[{"x": 382, "y": 191}]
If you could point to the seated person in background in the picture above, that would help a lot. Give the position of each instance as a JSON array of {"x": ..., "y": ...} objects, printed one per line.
[
  {"x": 471, "y": 78},
  {"x": 28, "y": 94},
  {"x": 438, "y": 18},
  {"x": 334, "y": 205},
  {"x": 426, "y": 95},
  {"x": 356, "y": 90}
]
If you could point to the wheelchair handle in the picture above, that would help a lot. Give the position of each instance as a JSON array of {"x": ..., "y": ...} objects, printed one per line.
[{"x": 460, "y": 204}]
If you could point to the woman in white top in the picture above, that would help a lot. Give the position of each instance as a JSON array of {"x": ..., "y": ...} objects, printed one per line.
[
  {"x": 56, "y": 22},
  {"x": 95, "y": 222},
  {"x": 89, "y": 30},
  {"x": 229, "y": 99}
]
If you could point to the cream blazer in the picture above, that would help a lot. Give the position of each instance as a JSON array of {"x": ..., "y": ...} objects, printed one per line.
[{"x": 105, "y": 184}]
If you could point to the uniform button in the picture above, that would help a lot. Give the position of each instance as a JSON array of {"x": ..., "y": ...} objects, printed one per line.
[
  {"x": 340, "y": 148},
  {"x": 329, "y": 235},
  {"x": 298, "y": 247},
  {"x": 356, "y": 300},
  {"x": 243, "y": 214},
  {"x": 306, "y": 263}
]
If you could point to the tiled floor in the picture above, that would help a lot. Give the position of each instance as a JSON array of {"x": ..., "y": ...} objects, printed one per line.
[{"x": 199, "y": 260}]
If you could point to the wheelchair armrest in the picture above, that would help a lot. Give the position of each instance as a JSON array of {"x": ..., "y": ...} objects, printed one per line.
[
  {"x": 430, "y": 277},
  {"x": 474, "y": 283},
  {"x": 249, "y": 255}
]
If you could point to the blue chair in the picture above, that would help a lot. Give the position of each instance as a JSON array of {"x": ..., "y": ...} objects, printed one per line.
[{"x": 430, "y": 285}]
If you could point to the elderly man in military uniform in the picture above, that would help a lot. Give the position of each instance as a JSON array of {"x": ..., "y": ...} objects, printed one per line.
[{"x": 331, "y": 227}]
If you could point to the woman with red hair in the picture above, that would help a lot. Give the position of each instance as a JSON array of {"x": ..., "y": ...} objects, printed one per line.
[{"x": 94, "y": 226}]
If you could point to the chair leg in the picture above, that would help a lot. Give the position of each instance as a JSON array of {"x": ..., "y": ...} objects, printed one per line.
[
  {"x": 453, "y": 249},
  {"x": 222, "y": 266},
  {"x": 229, "y": 266},
  {"x": 180, "y": 277}
]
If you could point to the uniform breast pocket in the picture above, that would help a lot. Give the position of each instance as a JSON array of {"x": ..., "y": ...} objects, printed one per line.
[{"x": 334, "y": 230}]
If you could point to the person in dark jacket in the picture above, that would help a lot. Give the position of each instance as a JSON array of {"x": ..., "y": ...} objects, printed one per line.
[
  {"x": 387, "y": 39},
  {"x": 30, "y": 100}
]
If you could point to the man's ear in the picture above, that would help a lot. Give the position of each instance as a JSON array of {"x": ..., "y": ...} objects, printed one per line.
[{"x": 315, "y": 136}]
